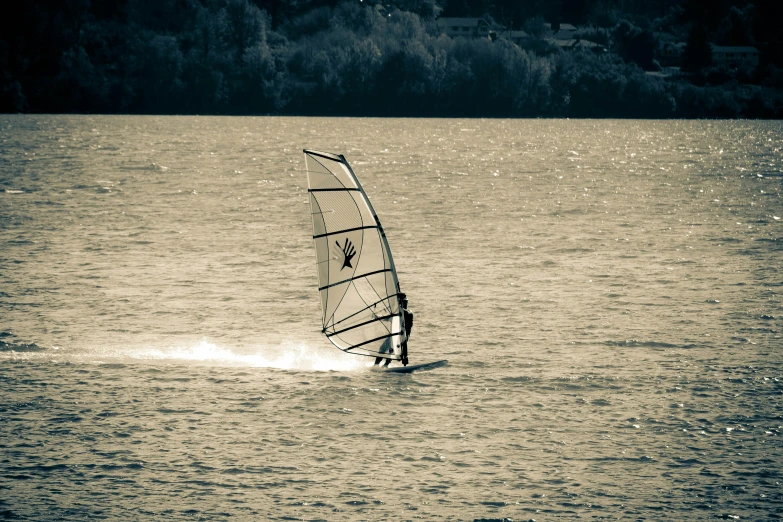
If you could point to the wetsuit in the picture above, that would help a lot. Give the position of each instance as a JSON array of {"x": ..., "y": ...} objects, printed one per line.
[{"x": 408, "y": 315}]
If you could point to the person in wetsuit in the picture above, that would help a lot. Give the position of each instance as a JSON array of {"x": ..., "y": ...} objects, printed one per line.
[{"x": 408, "y": 319}]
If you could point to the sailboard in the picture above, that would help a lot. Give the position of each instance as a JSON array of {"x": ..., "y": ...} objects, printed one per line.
[
  {"x": 413, "y": 367},
  {"x": 357, "y": 280}
]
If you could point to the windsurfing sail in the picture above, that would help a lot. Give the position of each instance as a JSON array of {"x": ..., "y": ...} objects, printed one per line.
[{"x": 356, "y": 275}]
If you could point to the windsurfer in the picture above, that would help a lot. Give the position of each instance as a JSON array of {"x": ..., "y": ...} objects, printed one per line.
[{"x": 408, "y": 318}]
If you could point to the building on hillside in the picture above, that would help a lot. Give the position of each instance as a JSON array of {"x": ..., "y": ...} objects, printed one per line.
[
  {"x": 733, "y": 57},
  {"x": 466, "y": 27},
  {"x": 566, "y": 38},
  {"x": 671, "y": 53},
  {"x": 665, "y": 72},
  {"x": 577, "y": 43},
  {"x": 564, "y": 32},
  {"x": 518, "y": 37}
]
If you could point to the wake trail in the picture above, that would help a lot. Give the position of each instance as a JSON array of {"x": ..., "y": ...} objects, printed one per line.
[{"x": 285, "y": 356}]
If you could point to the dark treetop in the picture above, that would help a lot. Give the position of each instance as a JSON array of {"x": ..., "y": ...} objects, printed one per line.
[{"x": 393, "y": 58}]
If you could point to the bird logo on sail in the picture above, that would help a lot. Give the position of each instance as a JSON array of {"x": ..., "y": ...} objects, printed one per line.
[{"x": 348, "y": 252}]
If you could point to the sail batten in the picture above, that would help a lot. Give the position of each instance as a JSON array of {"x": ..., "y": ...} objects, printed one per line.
[
  {"x": 331, "y": 189},
  {"x": 353, "y": 279},
  {"x": 344, "y": 230},
  {"x": 360, "y": 311},
  {"x": 383, "y": 337},
  {"x": 361, "y": 324},
  {"x": 357, "y": 279}
]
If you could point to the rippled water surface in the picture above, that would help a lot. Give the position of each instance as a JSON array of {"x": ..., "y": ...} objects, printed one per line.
[{"x": 607, "y": 293}]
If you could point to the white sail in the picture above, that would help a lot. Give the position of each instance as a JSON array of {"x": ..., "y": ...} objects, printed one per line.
[{"x": 356, "y": 275}]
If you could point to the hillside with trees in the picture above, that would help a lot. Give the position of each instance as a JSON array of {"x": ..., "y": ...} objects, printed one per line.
[{"x": 393, "y": 58}]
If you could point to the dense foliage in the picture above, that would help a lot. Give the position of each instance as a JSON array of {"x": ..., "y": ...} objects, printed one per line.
[{"x": 365, "y": 57}]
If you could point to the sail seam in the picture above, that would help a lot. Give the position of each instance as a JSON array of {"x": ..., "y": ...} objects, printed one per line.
[
  {"x": 344, "y": 189},
  {"x": 373, "y": 320},
  {"x": 352, "y": 178},
  {"x": 373, "y": 340},
  {"x": 378, "y": 222},
  {"x": 355, "y": 277},
  {"x": 344, "y": 231},
  {"x": 363, "y": 310}
]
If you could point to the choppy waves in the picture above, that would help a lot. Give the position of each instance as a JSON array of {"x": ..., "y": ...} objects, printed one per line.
[{"x": 607, "y": 293}]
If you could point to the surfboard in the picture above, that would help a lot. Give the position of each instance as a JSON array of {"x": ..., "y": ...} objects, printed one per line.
[{"x": 413, "y": 367}]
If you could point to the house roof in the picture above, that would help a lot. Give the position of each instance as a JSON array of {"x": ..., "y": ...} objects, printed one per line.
[
  {"x": 461, "y": 22},
  {"x": 563, "y": 27},
  {"x": 574, "y": 43},
  {"x": 745, "y": 49}
]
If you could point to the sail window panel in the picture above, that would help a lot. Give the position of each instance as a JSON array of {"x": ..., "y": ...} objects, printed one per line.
[
  {"x": 340, "y": 343},
  {"x": 331, "y": 298},
  {"x": 322, "y": 261},
  {"x": 374, "y": 311},
  {"x": 319, "y": 177},
  {"x": 339, "y": 211},
  {"x": 391, "y": 286},
  {"x": 345, "y": 251},
  {"x": 337, "y": 169},
  {"x": 372, "y": 335},
  {"x": 324, "y": 304},
  {"x": 375, "y": 349},
  {"x": 366, "y": 332},
  {"x": 372, "y": 259},
  {"x": 346, "y": 172},
  {"x": 372, "y": 289},
  {"x": 370, "y": 332},
  {"x": 319, "y": 226},
  {"x": 361, "y": 295},
  {"x": 380, "y": 283},
  {"x": 391, "y": 281},
  {"x": 324, "y": 180},
  {"x": 350, "y": 302},
  {"x": 352, "y": 321},
  {"x": 369, "y": 295},
  {"x": 363, "y": 207},
  {"x": 313, "y": 165}
]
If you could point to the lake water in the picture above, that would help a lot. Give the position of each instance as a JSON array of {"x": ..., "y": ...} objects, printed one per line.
[{"x": 608, "y": 294}]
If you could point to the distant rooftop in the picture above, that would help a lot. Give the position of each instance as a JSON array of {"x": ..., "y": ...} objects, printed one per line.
[
  {"x": 573, "y": 43},
  {"x": 563, "y": 27},
  {"x": 746, "y": 49},
  {"x": 462, "y": 22}
]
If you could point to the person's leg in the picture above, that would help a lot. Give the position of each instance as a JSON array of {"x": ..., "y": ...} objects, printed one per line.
[
  {"x": 378, "y": 361},
  {"x": 386, "y": 363}
]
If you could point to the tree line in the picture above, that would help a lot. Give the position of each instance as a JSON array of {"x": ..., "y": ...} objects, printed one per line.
[{"x": 362, "y": 57}]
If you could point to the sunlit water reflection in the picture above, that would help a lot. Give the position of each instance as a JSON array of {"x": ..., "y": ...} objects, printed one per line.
[{"x": 608, "y": 294}]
